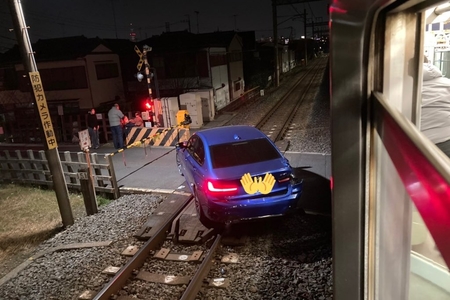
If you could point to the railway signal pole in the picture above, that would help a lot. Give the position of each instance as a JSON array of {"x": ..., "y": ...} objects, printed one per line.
[
  {"x": 276, "y": 3},
  {"x": 40, "y": 104}
]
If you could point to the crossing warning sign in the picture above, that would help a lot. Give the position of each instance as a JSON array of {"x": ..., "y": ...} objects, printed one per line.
[{"x": 139, "y": 53}]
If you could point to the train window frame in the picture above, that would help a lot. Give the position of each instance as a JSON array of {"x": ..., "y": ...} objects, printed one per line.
[{"x": 399, "y": 102}]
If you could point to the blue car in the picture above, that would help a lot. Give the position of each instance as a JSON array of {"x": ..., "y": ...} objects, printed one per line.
[{"x": 237, "y": 173}]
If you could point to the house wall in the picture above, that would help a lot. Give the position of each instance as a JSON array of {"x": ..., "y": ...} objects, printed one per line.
[
  {"x": 236, "y": 70},
  {"x": 208, "y": 109},
  {"x": 60, "y": 95},
  {"x": 219, "y": 80},
  {"x": 97, "y": 91},
  {"x": 102, "y": 90}
]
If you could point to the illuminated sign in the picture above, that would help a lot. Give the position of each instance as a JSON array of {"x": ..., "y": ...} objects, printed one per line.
[{"x": 42, "y": 108}]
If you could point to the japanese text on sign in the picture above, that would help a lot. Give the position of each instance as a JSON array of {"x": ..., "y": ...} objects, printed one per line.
[
  {"x": 42, "y": 108},
  {"x": 85, "y": 140}
]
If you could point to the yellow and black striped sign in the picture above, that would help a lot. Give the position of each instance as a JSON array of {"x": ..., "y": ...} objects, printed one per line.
[{"x": 166, "y": 137}]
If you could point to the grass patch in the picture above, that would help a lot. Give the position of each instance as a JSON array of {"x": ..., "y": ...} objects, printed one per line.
[{"x": 31, "y": 215}]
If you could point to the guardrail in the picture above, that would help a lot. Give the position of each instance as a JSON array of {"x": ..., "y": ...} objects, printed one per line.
[{"x": 32, "y": 168}]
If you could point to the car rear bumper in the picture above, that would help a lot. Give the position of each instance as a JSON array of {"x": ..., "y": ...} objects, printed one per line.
[{"x": 231, "y": 212}]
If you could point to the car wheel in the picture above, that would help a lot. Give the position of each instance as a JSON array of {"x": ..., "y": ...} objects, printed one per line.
[
  {"x": 198, "y": 208},
  {"x": 179, "y": 166},
  {"x": 201, "y": 215}
]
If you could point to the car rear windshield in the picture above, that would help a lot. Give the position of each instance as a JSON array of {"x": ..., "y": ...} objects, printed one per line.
[{"x": 242, "y": 153}]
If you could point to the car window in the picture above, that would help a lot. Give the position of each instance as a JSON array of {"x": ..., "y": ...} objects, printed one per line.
[
  {"x": 191, "y": 143},
  {"x": 199, "y": 152},
  {"x": 241, "y": 153},
  {"x": 196, "y": 149}
]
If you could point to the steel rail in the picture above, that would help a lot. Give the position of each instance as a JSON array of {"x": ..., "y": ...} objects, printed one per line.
[
  {"x": 136, "y": 262},
  {"x": 294, "y": 111},
  {"x": 277, "y": 105},
  {"x": 197, "y": 280}
]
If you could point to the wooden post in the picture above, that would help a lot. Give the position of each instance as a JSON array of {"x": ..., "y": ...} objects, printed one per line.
[
  {"x": 112, "y": 173},
  {"x": 87, "y": 184},
  {"x": 87, "y": 189}
]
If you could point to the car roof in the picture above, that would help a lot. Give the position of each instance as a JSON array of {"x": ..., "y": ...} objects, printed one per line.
[{"x": 229, "y": 134}]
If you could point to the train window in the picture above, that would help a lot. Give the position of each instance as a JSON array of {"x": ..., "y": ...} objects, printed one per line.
[
  {"x": 415, "y": 91},
  {"x": 391, "y": 182}
]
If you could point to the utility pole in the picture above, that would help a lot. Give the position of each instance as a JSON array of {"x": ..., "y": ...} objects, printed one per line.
[
  {"x": 275, "y": 45},
  {"x": 40, "y": 103},
  {"x": 114, "y": 16},
  {"x": 306, "y": 39},
  {"x": 189, "y": 22},
  {"x": 197, "y": 12}
]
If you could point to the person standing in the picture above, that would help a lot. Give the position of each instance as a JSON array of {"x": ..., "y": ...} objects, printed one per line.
[
  {"x": 435, "y": 116},
  {"x": 93, "y": 127},
  {"x": 115, "y": 115},
  {"x": 137, "y": 120}
]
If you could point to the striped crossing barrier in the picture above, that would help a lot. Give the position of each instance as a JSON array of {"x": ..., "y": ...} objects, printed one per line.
[
  {"x": 143, "y": 136},
  {"x": 166, "y": 137}
]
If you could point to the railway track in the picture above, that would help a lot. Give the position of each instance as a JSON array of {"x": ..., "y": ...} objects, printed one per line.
[
  {"x": 154, "y": 255},
  {"x": 279, "y": 119}
]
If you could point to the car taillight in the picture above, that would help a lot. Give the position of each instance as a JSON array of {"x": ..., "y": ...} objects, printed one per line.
[
  {"x": 222, "y": 188},
  {"x": 284, "y": 178}
]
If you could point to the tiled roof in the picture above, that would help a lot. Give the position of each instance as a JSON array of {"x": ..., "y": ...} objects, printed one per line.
[
  {"x": 55, "y": 49},
  {"x": 65, "y": 48}
]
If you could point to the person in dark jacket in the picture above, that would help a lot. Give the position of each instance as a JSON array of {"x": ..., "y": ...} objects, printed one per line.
[{"x": 93, "y": 127}]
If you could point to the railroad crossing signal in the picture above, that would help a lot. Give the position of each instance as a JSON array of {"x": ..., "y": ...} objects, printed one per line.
[{"x": 141, "y": 61}]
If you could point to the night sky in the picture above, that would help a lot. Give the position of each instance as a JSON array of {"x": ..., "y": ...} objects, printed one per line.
[{"x": 116, "y": 18}]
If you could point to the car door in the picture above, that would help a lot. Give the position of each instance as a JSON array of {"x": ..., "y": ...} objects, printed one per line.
[
  {"x": 199, "y": 172},
  {"x": 187, "y": 161}
]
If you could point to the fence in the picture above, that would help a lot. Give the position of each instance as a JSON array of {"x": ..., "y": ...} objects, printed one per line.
[
  {"x": 65, "y": 126},
  {"x": 32, "y": 168},
  {"x": 247, "y": 98}
]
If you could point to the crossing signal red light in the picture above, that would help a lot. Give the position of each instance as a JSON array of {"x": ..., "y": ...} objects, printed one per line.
[{"x": 148, "y": 105}]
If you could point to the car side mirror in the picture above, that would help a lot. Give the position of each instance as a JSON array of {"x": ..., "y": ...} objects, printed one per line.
[{"x": 181, "y": 145}]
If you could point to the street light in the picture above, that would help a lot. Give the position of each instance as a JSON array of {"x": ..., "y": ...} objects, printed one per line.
[{"x": 139, "y": 76}]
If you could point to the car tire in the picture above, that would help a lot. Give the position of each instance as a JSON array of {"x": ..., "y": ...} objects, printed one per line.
[
  {"x": 201, "y": 215},
  {"x": 198, "y": 208},
  {"x": 179, "y": 166}
]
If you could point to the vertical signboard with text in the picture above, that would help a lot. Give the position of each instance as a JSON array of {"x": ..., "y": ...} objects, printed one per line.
[{"x": 42, "y": 107}]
